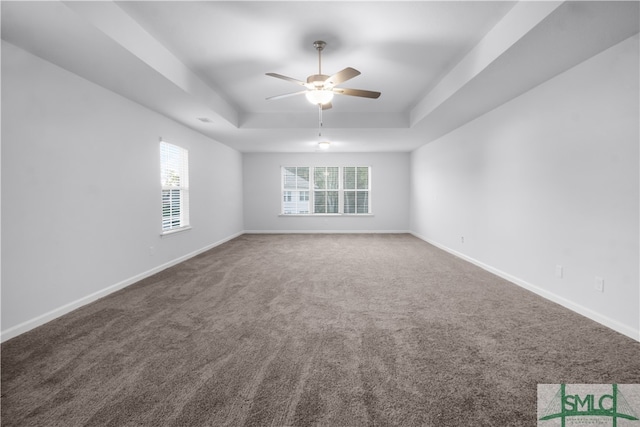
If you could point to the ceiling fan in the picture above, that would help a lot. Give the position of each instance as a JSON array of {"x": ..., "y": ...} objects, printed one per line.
[{"x": 320, "y": 88}]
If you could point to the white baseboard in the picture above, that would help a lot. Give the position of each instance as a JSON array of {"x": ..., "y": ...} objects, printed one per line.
[
  {"x": 60, "y": 311},
  {"x": 327, "y": 232},
  {"x": 584, "y": 311},
  {"x": 67, "y": 308}
]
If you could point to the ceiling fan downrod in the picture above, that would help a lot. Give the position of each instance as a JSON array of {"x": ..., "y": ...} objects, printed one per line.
[{"x": 319, "y": 45}]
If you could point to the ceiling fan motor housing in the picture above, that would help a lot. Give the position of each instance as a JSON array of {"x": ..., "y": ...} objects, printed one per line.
[{"x": 317, "y": 80}]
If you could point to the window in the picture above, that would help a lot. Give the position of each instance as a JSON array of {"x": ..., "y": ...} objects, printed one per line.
[
  {"x": 326, "y": 190},
  {"x": 356, "y": 190},
  {"x": 174, "y": 173},
  {"x": 295, "y": 190}
]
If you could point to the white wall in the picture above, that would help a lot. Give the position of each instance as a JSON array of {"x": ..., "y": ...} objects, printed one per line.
[
  {"x": 81, "y": 191},
  {"x": 550, "y": 178},
  {"x": 389, "y": 193}
]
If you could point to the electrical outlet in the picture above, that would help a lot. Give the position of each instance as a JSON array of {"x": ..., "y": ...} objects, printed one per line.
[
  {"x": 462, "y": 239},
  {"x": 599, "y": 284},
  {"x": 152, "y": 250},
  {"x": 559, "y": 271}
]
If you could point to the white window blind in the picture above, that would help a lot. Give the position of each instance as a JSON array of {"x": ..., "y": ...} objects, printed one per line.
[
  {"x": 174, "y": 167},
  {"x": 326, "y": 190}
]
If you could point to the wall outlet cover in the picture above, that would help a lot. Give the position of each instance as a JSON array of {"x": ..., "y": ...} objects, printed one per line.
[
  {"x": 559, "y": 271},
  {"x": 599, "y": 284}
]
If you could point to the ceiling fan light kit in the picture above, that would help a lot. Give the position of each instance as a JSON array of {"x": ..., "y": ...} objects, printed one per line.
[
  {"x": 320, "y": 88},
  {"x": 319, "y": 96}
]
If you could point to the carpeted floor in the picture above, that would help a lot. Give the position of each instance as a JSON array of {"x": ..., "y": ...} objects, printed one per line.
[{"x": 303, "y": 330}]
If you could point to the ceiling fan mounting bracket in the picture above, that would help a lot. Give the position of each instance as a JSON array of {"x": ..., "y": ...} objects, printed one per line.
[{"x": 319, "y": 45}]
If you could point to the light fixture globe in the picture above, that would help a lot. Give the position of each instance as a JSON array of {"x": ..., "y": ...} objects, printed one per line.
[
  {"x": 319, "y": 96},
  {"x": 324, "y": 145}
]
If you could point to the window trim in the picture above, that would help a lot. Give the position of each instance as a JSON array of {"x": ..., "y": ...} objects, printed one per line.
[
  {"x": 311, "y": 191},
  {"x": 175, "y": 231}
]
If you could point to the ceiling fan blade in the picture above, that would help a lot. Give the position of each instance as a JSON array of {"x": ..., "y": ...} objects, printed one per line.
[
  {"x": 286, "y": 95},
  {"x": 342, "y": 76},
  {"x": 357, "y": 92},
  {"x": 326, "y": 106},
  {"x": 289, "y": 79}
]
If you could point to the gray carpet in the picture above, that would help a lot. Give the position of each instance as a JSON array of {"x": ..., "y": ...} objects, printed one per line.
[{"x": 303, "y": 330}]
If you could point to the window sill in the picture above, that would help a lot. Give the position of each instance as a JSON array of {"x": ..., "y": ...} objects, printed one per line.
[
  {"x": 174, "y": 231},
  {"x": 317, "y": 215}
]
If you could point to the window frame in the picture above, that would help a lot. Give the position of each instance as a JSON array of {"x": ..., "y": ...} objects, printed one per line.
[
  {"x": 311, "y": 191},
  {"x": 174, "y": 159}
]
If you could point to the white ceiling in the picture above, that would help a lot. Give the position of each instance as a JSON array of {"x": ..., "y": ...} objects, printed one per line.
[{"x": 438, "y": 64}]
